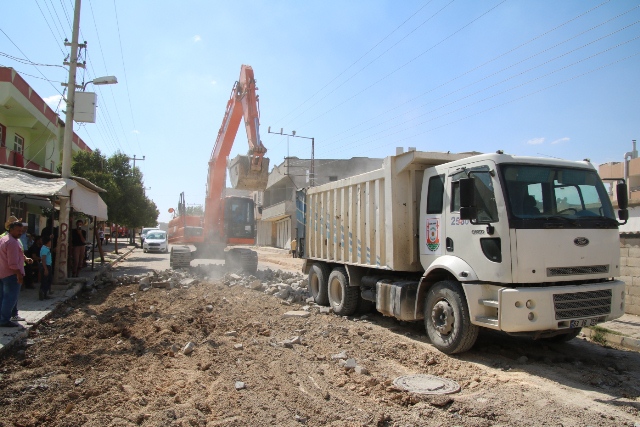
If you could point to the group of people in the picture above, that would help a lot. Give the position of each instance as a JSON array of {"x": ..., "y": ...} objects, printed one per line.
[{"x": 13, "y": 260}]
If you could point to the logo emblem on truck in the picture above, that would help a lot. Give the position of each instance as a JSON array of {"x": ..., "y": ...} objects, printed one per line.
[{"x": 581, "y": 241}]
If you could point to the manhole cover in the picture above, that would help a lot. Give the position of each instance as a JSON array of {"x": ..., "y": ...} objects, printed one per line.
[{"x": 426, "y": 384}]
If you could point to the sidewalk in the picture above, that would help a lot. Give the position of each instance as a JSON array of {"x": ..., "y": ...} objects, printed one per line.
[
  {"x": 35, "y": 311},
  {"x": 623, "y": 332}
]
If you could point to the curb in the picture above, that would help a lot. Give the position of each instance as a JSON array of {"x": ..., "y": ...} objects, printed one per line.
[{"x": 619, "y": 340}]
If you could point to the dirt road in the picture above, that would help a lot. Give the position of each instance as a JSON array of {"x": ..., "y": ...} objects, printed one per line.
[{"x": 114, "y": 357}]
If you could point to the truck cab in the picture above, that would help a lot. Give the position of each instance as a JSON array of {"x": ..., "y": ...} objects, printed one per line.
[{"x": 533, "y": 243}]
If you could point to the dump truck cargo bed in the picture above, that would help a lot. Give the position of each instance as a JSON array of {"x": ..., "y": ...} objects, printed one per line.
[{"x": 371, "y": 219}]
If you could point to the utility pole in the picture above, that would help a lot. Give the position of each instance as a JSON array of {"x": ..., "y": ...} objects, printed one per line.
[
  {"x": 67, "y": 149},
  {"x": 136, "y": 158},
  {"x": 312, "y": 173}
]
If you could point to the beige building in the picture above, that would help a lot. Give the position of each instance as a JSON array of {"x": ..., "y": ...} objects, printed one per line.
[{"x": 277, "y": 204}]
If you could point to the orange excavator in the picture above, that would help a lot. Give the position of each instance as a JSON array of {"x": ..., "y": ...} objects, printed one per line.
[{"x": 227, "y": 220}]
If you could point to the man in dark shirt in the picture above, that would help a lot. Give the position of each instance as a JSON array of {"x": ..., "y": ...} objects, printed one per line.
[{"x": 31, "y": 270}]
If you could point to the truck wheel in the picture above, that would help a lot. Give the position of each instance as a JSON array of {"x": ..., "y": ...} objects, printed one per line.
[
  {"x": 564, "y": 337},
  {"x": 342, "y": 297},
  {"x": 447, "y": 320},
  {"x": 318, "y": 279}
]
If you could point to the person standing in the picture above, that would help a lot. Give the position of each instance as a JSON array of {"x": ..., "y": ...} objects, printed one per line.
[
  {"x": 78, "y": 242},
  {"x": 294, "y": 248},
  {"x": 15, "y": 316},
  {"x": 11, "y": 273},
  {"x": 32, "y": 270},
  {"x": 46, "y": 269}
]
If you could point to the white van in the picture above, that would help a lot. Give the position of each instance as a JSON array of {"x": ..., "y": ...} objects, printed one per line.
[{"x": 144, "y": 232}]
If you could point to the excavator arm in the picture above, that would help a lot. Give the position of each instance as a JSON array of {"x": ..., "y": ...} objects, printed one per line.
[{"x": 246, "y": 172}]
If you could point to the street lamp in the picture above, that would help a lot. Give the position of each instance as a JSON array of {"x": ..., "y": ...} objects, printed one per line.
[
  {"x": 312, "y": 172},
  {"x": 105, "y": 80}
]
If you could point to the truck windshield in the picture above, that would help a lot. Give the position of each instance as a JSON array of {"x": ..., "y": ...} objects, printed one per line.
[{"x": 555, "y": 193}]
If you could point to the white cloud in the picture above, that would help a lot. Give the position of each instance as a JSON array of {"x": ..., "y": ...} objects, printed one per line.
[
  {"x": 52, "y": 101},
  {"x": 213, "y": 82},
  {"x": 558, "y": 141},
  {"x": 196, "y": 39},
  {"x": 135, "y": 131},
  {"x": 536, "y": 141}
]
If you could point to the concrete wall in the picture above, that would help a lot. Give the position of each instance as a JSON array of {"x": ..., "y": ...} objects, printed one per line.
[{"x": 630, "y": 272}]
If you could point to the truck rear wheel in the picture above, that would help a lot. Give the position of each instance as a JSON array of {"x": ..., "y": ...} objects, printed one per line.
[
  {"x": 342, "y": 297},
  {"x": 447, "y": 319},
  {"x": 318, "y": 280}
]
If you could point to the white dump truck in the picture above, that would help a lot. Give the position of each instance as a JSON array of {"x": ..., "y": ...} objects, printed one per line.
[{"x": 522, "y": 245}]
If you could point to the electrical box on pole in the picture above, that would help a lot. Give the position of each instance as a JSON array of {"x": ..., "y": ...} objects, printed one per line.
[{"x": 85, "y": 108}]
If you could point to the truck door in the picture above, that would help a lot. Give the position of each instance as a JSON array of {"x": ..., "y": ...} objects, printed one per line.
[{"x": 484, "y": 246}]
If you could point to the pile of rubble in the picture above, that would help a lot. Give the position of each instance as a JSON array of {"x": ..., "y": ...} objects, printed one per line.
[{"x": 289, "y": 287}]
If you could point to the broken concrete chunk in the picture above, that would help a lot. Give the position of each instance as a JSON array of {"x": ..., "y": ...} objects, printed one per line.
[
  {"x": 188, "y": 349},
  {"x": 361, "y": 370},
  {"x": 297, "y": 313},
  {"x": 238, "y": 346},
  {"x": 338, "y": 356},
  {"x": 231, "y": 334},
  {"x": 240, "y": 385},
  {"x": 350, "y": 364},
  {"x": 325, "y": 310}
]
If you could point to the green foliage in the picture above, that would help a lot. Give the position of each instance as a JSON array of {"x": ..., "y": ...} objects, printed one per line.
[
  {"x": 195, "y": 210},
  {"x": 125, "y": 198}
]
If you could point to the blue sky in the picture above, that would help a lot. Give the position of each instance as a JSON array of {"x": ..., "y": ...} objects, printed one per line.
[{"x": 546, "y": 77}]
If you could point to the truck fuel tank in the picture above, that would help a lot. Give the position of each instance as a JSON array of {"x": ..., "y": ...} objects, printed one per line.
[
  {"x": 245, "y": 177},
  {"x": 397, "y": 299}
]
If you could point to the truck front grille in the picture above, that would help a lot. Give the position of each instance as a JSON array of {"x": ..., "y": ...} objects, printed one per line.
[
  {"x": 570, "y": 271},
  {"x": 582, "y": 304}
]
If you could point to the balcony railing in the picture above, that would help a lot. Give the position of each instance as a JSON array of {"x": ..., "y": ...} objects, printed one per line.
[
  {"x": 14, "y": 158},
  {"x": 278, "y": 211}
]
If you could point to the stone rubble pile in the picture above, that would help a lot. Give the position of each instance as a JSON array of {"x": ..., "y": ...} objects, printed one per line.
[{"x": 290, "y": 287}]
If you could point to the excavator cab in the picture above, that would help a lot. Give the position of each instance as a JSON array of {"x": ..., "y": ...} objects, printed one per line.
[{"x": 249, "y": 172}]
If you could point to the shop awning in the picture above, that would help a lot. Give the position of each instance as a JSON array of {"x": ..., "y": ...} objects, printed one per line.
[{"x": 36, "y": 189}]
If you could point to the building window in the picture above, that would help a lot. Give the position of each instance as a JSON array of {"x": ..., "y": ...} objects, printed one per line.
[
  {"x": 18, "y": 144},
  {"x": 333, "y": 178},
  {"x": 3, "y": 134}
]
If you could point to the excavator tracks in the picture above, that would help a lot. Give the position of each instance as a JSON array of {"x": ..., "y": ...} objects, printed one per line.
[{"x": 241, "y": 259}]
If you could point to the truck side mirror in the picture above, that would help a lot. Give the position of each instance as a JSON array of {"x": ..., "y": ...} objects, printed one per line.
[
  {"x": 622, "y": 195},
  {"x": 467, "y": 192},
  {"x": 467, "y": 199},
  {"x": 623, "y": 215}
]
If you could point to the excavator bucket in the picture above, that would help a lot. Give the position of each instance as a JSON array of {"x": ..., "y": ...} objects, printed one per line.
[{"x": 243, "y": 176}]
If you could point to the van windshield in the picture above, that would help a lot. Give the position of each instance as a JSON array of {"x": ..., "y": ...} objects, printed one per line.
[
  {"x": 555, "y": 193},
  {"x": 156, "y": 235}
]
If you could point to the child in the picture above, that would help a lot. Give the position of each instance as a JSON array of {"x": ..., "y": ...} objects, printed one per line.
[{"x": 46, "y": 270}]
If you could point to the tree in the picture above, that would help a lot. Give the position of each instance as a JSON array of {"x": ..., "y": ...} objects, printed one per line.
[
  {"x": 195, "y": 210},
  {"x": 125, "y": 198}
]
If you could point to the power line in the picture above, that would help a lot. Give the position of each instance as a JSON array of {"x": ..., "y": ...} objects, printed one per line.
[
  {"x": 50, "y": 29},
  {"x": 406, "y": 63},
  {"x": 487, "y": 63},
  {"x": 367, "y": 139},
  {"x": 126, "y": 79},
  {"x": 504, "y": 69},
  {"x": 361, "y": 57},
  {"x": 23, "y": 54}
]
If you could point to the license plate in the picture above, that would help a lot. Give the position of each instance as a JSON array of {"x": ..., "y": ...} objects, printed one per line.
[{"x": 582, "y": 323}]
